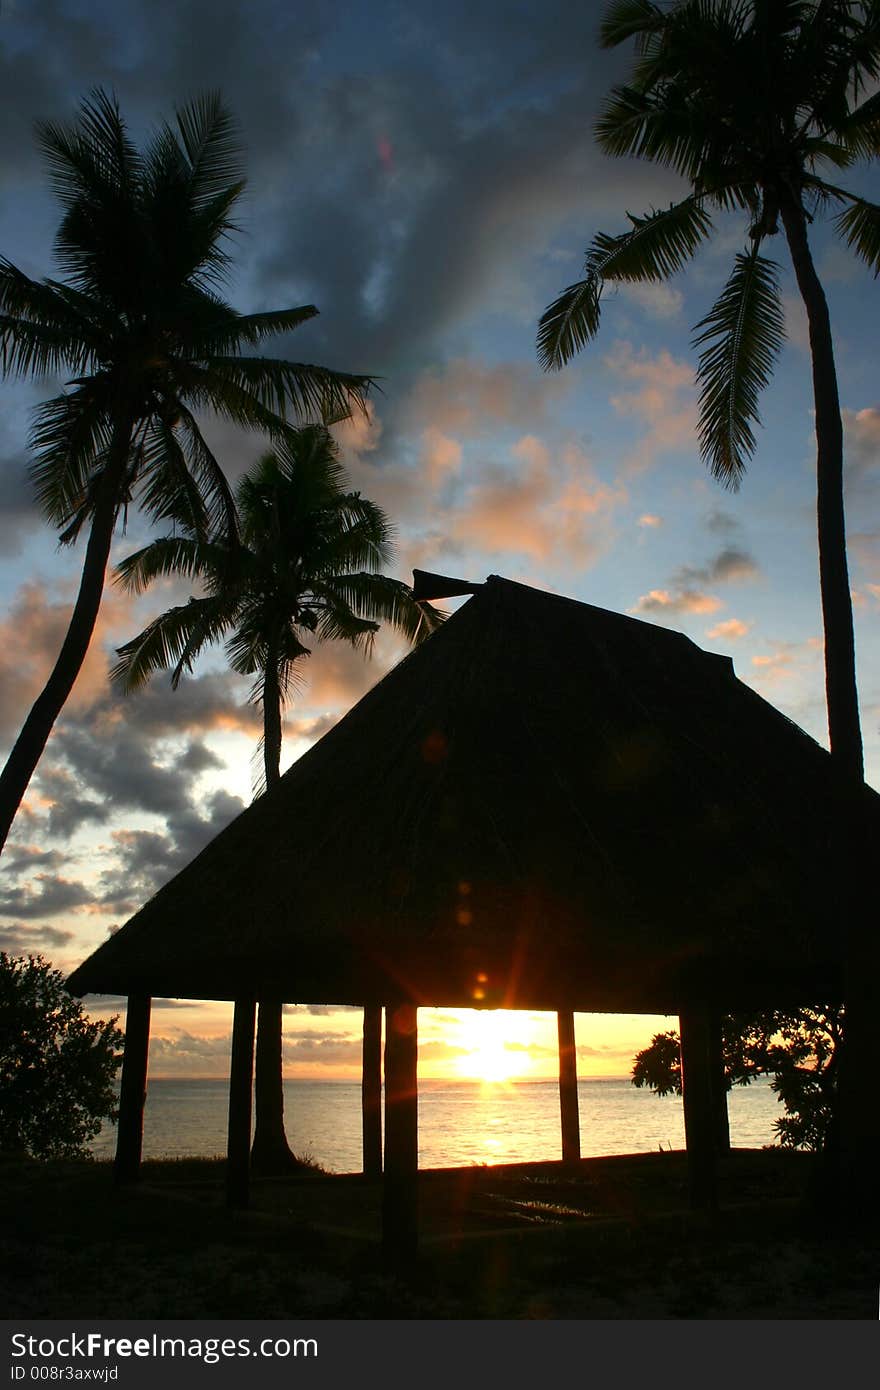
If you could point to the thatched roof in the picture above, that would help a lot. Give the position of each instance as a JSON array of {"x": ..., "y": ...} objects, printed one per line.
[{"x": 546, "y": 805}]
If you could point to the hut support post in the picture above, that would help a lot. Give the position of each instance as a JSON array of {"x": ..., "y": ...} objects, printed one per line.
[
  {"x": 241, "y": 1081},
  {"x": 371, "y": 1091},
  {"x": 568, "y": 1092},
  {"x": 400, "y": 1184},
  {"x": 700, "y": 1116},
  {"x": 719, "y": 1084},
  {"x": 133, "y": 1089}
]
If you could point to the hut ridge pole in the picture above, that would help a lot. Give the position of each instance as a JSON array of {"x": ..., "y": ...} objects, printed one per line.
[
  {"x": 568, "y": 1088},
  {"x": 371, "y": 1091},
  {"x": 133, "y": 1089},
  {"x": 241, "y": 1082},
  {"x": 700, "y": 1116},
  {"x": 400, "y": 1183}
]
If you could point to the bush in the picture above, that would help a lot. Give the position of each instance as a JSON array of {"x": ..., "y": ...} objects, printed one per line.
[{"x": 57, "y": 1067}]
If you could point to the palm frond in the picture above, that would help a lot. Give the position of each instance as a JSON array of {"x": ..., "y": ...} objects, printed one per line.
[
  {"x": 162, "y": 483},
  {"x": 338, "y": 623},
  {"x": 299, "y": 390},
  {"x": 658, "y": 245},
  {"x": 208, "y": 475},
  {"x": 628, "y": 19},
  {"x": 859, "y": 225},
  {"x": 174, "y": 639},
  {"x": 70, "y": 436},
  {"x": 210, "y": 136},
  {"x": 236, "y": 330},
  {"x": 92, "y": 158},
  {"x": 163, "y": 558},
  {"x": 740, "y": 338},
  {"x": 859, "y": 131},
  {"x": 386, "y": 600},
  {"x": 569, "y": 323}
]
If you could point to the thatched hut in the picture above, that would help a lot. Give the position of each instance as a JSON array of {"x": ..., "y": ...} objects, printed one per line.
[{"x": 545, "y": 806}]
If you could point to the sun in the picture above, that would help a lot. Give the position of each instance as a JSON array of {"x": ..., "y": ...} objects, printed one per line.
[{"x": 493, "y": 1051}]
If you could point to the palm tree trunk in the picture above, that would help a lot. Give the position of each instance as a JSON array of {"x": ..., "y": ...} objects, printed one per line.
[
  {"x": 847, "y": 1183},
  {"x": 844, "y": 729},
  {"x": 28, "y": 747},
  {"x": 271, "y": 1152}
]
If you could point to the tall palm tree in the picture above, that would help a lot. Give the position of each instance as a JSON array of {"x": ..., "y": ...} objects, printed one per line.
[
  {"x": 753, "y": 102},
  {"x": 756, "y": 104},
  {"x": 297, "y": 573},
  {"x": 139, "y": 324}
]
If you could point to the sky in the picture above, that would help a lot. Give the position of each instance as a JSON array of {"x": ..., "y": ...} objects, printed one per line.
[{"x": 426, "y": 176}]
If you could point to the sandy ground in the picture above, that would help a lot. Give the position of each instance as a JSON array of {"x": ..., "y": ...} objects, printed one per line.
[{"x": 605, "y": 1238}]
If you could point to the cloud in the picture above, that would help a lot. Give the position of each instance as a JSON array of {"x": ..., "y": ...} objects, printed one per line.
[
  {"x": 46, "y": 895},
  {"x": 686, "y": 601},
  {"x": 731, "y": 628},
  {"x": 143, "y": 860},
  {"x": 25, "y": 859},
  {"x": 662, "y": 301},
  {"x": 469, "y": 398},
  {"x": 861, "y": 430},
  {"x": 688, "y": 585},
  {"x": 731, "y": 565},
  {"x": 660, "y": 395},
  {"x": 650, "y": 521},
  {"x": 19, "y": 513},
  {"x": 19, "y": 940},
  {"x": 550, "y": 507},
  {"x": 25, "y": 664}
]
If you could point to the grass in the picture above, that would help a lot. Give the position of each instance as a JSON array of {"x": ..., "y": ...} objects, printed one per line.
[{"x": 606, "y": 1238}]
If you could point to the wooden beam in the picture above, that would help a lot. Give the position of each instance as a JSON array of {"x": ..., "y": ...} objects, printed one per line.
[
  {"x": 371, "y": 1091},
  {"x": 241, "y": 1082},
  {"x": 400, "y": 1183},
  {"x": 700, "y": 1125},
  {"x": 568, "y": 1088},
  {"x": 133, "y": 1089}
]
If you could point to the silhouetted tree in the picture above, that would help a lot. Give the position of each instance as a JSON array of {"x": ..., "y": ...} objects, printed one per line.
[
  {"x": 298, "y": 573},
  {"x": 800, "y": 1051},
  {"x": 56, "y": 1065},
  {"x": 150, "y": 344}
]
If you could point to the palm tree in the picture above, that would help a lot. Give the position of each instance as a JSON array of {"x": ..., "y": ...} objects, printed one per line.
[
  {"x": 140, "y": 326},
  {"x": 756, "y": 104},
  {"x": 748, "y": 100},
  {"x": 298, "y": 572}
]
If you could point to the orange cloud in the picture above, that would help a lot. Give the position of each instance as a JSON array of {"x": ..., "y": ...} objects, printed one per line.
[
  {"x": 662, "y": 396},
  {"x": 440, "y": 456},
  {"x": 31, "y": 638},
  {"x": 467, "y": 398},
  {"x": 545, "y": 509},
  {"x": 688, "y": 601},
  {"x": 732, "y": 627}
]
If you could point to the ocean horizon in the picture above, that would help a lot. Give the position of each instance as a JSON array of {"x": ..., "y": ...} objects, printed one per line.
[{"x": 461, "y": 1122}]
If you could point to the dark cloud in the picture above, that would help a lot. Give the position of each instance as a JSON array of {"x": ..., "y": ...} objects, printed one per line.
[
  {"x": 117, "y": 1003},
  {"x": 145, "y": 859},
  {"x": 26, "y": 859},
  {"x": 69, "y": 811},
  {"x": 200, "y": 704},
  {"x": 322, "y": 1010},
  {"x": 18, "y": 940},
  {"x": 19, "y": 514},
  {"x": 731, "y": 565},
  {"x": 46, "y": 895}
]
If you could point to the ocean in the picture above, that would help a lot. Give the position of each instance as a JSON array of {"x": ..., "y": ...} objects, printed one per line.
[{"x": 460, "y": 1122}]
